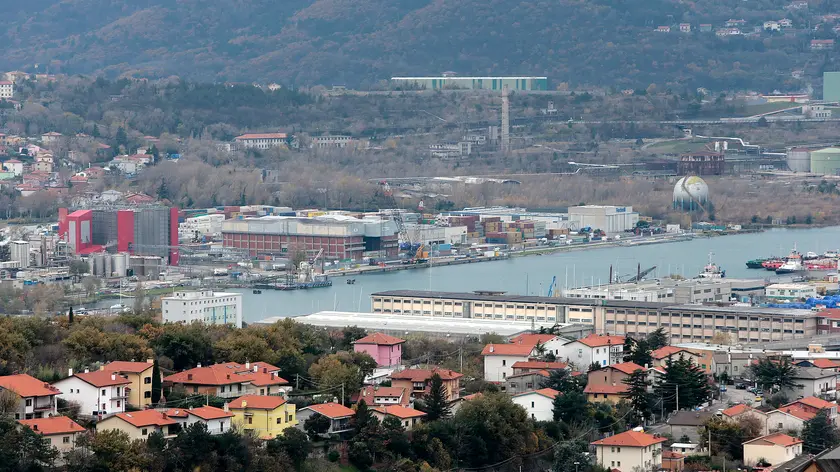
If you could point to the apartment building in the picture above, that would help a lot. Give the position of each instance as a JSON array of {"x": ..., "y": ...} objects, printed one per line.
[
  {"x": 204, "y": 306},
  {"x": 262, "y": 140},
  {"x": 7, "y": 89}
]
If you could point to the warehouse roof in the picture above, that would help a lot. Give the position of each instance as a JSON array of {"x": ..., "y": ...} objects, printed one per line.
[{"x": 484, "y": 297}]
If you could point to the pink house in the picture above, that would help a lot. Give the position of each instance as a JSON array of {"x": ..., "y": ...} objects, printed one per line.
[{"x": 385, "y": 350}]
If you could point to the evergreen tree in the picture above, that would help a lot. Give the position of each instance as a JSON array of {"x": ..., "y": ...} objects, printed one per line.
[
  {"x": 571, "y": 407},
  {"x": 563, "y": 381},
  {"x": 638, "y": 395},
  {"x": 70, "y": 316},
  {"x": 363, "y": 417},
  {"x": 657, "y": 339},
  {"x": 775, "y": 374},
  {"x": 637, "y": 351},
  {"x": 121, "y": 139},
  {"x": 683, "y": 385},
  {"x": 567, "y": 453},
  {"x": 435, "y": 404},
  {"x": 157, "y": 388},
  {"x": 163, "y": 190},
  {"x": 819, "y": 433},
  {"x": 95, "y": 132}
]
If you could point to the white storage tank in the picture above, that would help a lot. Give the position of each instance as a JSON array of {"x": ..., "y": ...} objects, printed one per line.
[
  {"x": 97, "y": 266},
  {"x": 108, "y": 266},
  {"x": 799, "y": 159},
  {"x": 120, "y": 264}
]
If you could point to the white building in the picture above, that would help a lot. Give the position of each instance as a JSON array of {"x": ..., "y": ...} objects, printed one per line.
[
  {"x": 99, "y": 393},
  {"x": 451, "y": 150},
  {"x": 203, "y": 306},
  {"x": 217, "y": 420},
  {"x": 790, "y": 291},
  {"x": 204, "y": 225},
  {"x": 814, "y": 382},
  {"x": 262, "y": 140},
  {"x": 630, "y": 450},
  {"x": 538, "y": 403},
  {"x": 774, "y": 449},
  {"x": 610, "y": 219},
  {"x": 499, "y": 359},
  {"x": 332, "y": 141},
  {"x": 14, "y": 166},
  {"x": 19, "y": 251},
  {"x": 593, "y": 349},
  {"x": 7, "y": 90}
]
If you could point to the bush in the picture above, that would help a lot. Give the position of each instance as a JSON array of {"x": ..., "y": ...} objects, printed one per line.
[{"x": 333, "y": 456}]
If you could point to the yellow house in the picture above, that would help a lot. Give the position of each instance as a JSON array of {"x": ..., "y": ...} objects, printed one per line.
[
  {"x": 140, "y": 376},
  {"x": 605, "y": 393},
  {"x": 265, "y": 415}
]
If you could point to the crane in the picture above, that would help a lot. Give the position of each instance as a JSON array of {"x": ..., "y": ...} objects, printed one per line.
[
  {"x": 640, "y": 275},
  {"x": 551, "y": 287}
]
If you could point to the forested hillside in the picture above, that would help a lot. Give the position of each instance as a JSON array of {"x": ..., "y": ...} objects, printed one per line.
[{"x": 362, "y": 42}]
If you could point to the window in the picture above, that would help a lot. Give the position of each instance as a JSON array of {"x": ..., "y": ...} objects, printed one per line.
[
  {"x": 618, "y": 449},
  {"x": 28, "y": 402},
  {"x": 532, "y": 404},
  {"x": 66, "y": 439},
  {"x": 103, "y": 392},
  {"x": 144, "y": 431},
  {"x": 250, "y": 420},
  {"x": 504, "y": 362},
  {"x": 279, "y": 420},
  {"x": 147, "y": 380},
  {"x": 147, "y": 394},
  {"x": 118, "y": 403}
]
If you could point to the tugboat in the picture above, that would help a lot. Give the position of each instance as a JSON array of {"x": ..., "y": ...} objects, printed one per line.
[
  {"x": 711, "y": 270},
  {"x": 757, "y": 263},
  {"x": 772, "y": 264},
  {"x": 792, "y": 264}
]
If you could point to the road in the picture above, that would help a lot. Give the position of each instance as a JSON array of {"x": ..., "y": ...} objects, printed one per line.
[{"x": 730, "y": 396}]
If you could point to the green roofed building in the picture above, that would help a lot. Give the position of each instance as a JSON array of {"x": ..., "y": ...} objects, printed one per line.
[
  {"x": 471, "y": 83},
  {"x": 831, "y": 86},
  {"x": 825, "y": 161}
]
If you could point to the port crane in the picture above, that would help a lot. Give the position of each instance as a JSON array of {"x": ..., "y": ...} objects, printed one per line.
[{"x": 551, "y": 287}]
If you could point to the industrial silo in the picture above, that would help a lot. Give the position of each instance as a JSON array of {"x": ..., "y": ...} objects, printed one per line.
[
  {"x": 106, "y": 258},
  {"x": 825, "y": 161},
  {"x": 799, "y": 159},
  {"x": 120, "y": 264},
  {"x": 97, "y": 264}
]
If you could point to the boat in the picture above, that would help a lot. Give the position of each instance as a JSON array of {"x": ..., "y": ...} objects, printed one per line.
[
  {"x": 773, "y": 264},
  {"x": 793, "y": 263},
  {"x": 711, "y": 270},
  {"x": 757, "y": 263},
  {"x": 351, "y": 281},
  {"x": 257, "y": 291}
]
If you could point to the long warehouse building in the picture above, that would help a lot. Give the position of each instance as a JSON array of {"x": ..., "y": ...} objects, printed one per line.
[
  {"x": 340, "y": 237},
  {"x": 685, "y": 323}
]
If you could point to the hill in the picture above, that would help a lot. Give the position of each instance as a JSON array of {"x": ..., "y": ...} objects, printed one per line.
[{"x": 362, "y": 42}]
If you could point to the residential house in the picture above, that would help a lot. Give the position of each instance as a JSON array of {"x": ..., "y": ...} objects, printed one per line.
[
  {"x": 705, "y": 27},
  {"x": 523, "y": 367},
  {"x": 179, "y": 415},
  {"x": 43, "y": 162},
  {"x": 339, "y": 415},
  {"x": 786, "y": 23},
  {"x": 14, "y": 166},
  {"x": 409, "y": 417},
  {"x": 100, "y": 393},
  {"x": 262, "y": 140},
  {"x": 737, "y": 412},
  {"x": 36, "y": 399},
  {"x": 813, "y": 381},
  {"x": 735, "y": 364},
  {"x": 544, "y": 344},
  {"x": 50, "y": 138},
  {"x": 789, "y": 419},
  {"x": 60, "y": 431},
  {"x": 266, "y": 416},
  {"x": 539, "y": 404},
  {"x": 385, "y": 350},
  {"x": 594, "y": 349},
  {"x": 231, "y": 380},
  {"x": 797, "y": 5},
  {"x": 686, "y": 423},
  {"x": 663, "y": 29},
  {"x": 605, "y": 393},
  {"x": 662, "y": 355},
  {"x": 525, "y": 382},
  {"x": 330, "y": 141},
  {"x": 7, "y": 90},
  {"x": 772, "y": 26},
  {"x": 687, "y": 449},
  {"x": 735, "y": 23},
  {"x": 217, "y": 420},
  {"x": 774, "y": 449},
  {"x": 140, "y": 376},
  {"x": 499, "y": 359},
  {"x": 673, "y": 461},
  {"x": 376, "y": 395},
  {"x": 821, "y": 363},
  {"x": 607, "y": 384},
  {"x": 140, "y": 424},
  {"x": 630, "y": 450},
  {"x": 685, "y": 27},
  {"x": 815, "y": 405},
  {"x": 416, "y": 381},
  {"x": 822, "y": 44}
]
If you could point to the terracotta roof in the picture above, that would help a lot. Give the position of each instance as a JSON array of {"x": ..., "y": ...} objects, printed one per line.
[
  {"x": 228, "y": 373},
  {"x": 420, "y": 375},
  {"x": 595, "y": 340},
  {"x": 832, "y": 313},
  {"x": 259, "y": 402},
  {"x": 546, "y": 392},
  {"x": 666, "y": 351},
  {"x": 630, "y": 439},
  {"x": 102, "y": 378},
  {"x": 146, "y": 418},
  {"x": 380, "y": 339},
  {"x": 814, "y": 402},
  {"x": 262, "y": 136},
  {"x": 371, "y": 391},
  {"x": 27, "y": 386},
  {"x": 610, "y": 389},
  {"x": 798, "y": 412},
  {"x": 403, "y": 412},
  {"x": 779, "y": 439},
  {"x": 125, "y": 366},
  {"x": 13, "y": 161},
  {"x": 821, "y": 363},
  {"x": 472, "y": 396},
  {"x": 53, "y": 425},
  {"x": 532, "y": 339},
  {"x": 671, "y": 455},
  {"x": 736, "y": 410},
  {"x": 209, "y": 413},
  {"x": 507, "y": 350},
  {"x": 176, "y": 413},
  {"x": 539, "y": 365},
  {"x": 331, "y": 410},
  {"x": 627, "y": 367}
]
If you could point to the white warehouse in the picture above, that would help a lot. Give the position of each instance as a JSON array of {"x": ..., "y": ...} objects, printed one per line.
[
  {"x": 610, "y": 219},
  {"x": 205, "y": 306}
]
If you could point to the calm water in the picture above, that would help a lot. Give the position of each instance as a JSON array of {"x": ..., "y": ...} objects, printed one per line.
[{"x": 533, "y": 274}]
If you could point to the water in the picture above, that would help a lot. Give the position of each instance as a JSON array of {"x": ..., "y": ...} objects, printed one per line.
[{"x": 532, "y": 274}]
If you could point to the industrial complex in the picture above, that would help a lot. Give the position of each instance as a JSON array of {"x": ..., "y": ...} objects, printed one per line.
[{"x": 472, "y": 83}]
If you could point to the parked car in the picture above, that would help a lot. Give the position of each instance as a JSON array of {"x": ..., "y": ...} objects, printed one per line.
[
  {"x": 723, "y": 388},
  {"x": 740, "y": 386},
  {"x": 758, "y": 399}
]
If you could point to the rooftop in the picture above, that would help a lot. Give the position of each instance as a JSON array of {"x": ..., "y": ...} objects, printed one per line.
[
  {"x": 545, "y": 392},
  {"x": 102, "y": 378},
  {"x": 597, "y": 340},
  {"x": 262, "y": 136},
  {"x": 331, "y": 410},
  {"x": 607, "y": 389},
  {"x": 27, "y": 386},
  {"x": 379, "y": 339},
  {"x": 258, "y": 373},
  {"x": 259, "y": 402},
  {"x": 798, "y": 412},
  {"x": 779, "y": 439},
  {"x": 523, "y": 350},
  {"x": 668, "y": 351},
  {"x": 209, "y": 413},
  {"x": 146, "y": 418},
  {"x": 813, "y": 373},
  {"x": 534, "y": 339},
  {"x": 399, "y": 411},
  {"x": 630, "y": 439},
  {"x": 53, "y": 425},
  {"x": 627, "y": 367},
  {"x": 539, "y": 365},
  {"x": 814, "y": 402},
  {"x": 421, "y": 375},
  {"x": 126, "y": 366},
  {"x": 689, "y": 418}
]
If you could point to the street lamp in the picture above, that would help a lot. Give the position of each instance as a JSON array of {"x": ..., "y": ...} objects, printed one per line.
[{"x": 576, "y": 466}]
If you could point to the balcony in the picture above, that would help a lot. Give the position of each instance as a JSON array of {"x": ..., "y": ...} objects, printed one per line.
[{"x": 48, "y": 407}]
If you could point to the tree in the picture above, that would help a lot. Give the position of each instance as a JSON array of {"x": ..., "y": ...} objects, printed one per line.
[
  {"x": 683, "y": 384},
  {"x": 79, "y": 267},
  {"x": 819, "y": 433},
  {"x": 70, "y": 316},
  {"x": 638, "y": 395},
  {"x": 139, "y": 297},
  {"x": 571, "y": 407},
  {"x": 435, "y": 404},
  {"x": 637, "y": 351},
  {"x": 657, "y": 339},
  {"x": 727, "y": 437},
  {"x": 24, "y": 450},
  {"x": 157, "y": 386},
  {"x": 363, "y": 417},
  {"x": 775, "y": 374},
  {"x": 569, "y": 453},
  {"x": 121, "y": 139},
  {"x": 335, "y": 370},
  {"x": 316, "y": 425},
  {"x": 294, "y": 443},
  {"x": 9, "y": 402},
  {"x": 563, "y": 381}
]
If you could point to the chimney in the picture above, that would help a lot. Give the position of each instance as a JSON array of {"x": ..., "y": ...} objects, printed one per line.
[
  {"x": 247, "y": 365},
  {"x": 228, "y": 376},
  {"x": 113, "y": 376},
  {"x": 272, "y": 376},
  {"x": 225, "y": 407},
  {"x": 198, "y": 365},
  {"x": 87, "y": 371},
  {"x": 244, "y": 404},
  {"x": 150, "y": 361},
  {"x": 35, "y": 427},
  {"x": 256, "y": 368},
  {"x": 265, "y": 370},
  {"x": 70, "y": 372},
  {"x": 102, "y": 367},
  {"x": 189, "y": 376},
  {"x": 492, "y": 349}
]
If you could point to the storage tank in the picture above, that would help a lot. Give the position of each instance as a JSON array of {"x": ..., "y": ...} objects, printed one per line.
[
  {"x": 825, "y": 161},
  {"x": 98, "y": 264},
  {"x": 136, "y": 264},
  {"x": 108, "y": 266},
  {"x": 120, "y": 264},
  {"x": 799, "y": 159},
  {"x": 690, "y": 193}
]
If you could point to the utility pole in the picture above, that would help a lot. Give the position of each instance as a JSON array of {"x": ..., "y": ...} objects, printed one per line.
[
  {"x": 461, "y": 358},
  {"x": 678, "y": 397},
  {"x": 297, "y": 381},
  {"x": 342, "y": 393},
  {"x": 710, "y": 441}
]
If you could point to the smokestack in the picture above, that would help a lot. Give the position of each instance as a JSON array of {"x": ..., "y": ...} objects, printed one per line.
[{"x": 505, "y": 120}]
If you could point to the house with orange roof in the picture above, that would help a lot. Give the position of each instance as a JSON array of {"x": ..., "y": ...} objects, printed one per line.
[
  {"x": 338, "y": 414},
  {"x": 629, "y": 450},
  {"x": 140, "y": 424},
  {"x": 100, "y": 393},
  {"x": 522, "y": 367},
  {"x": 736, "y": 412},
  {"x": 774, "y": 449},
  {"x": 673, "y": 461},
  {"x": 813, "y": 382},
  {"x": 606, "y": 393},
  {"x": 612, "y": 375},
  {"x": 417, "y": 381},
  {"x": 217, "y": 420},
  {"x": 525, "y": 382},
  {"x": 267, "y": 416},
  {"x": 660, "y": 356},
  {"x": 543, "y": 343},
  {"x": 499, "y": 359},
  {"x": 140, "y": 376},
  {"x": 788, "y": 418},
  {"x": 60, "y": 431},
  {"x": 231, "y": 380},
  {"x": 35, "y": 398},
  {"x": 376, "y": 395},
  {"x": 821, "y": 363},
  {"x": 409, "y": 417},
  {"x": 593, "y": 349},
  {"x": 814, "y": 405},
  {"x": 539, "y": 404},
  {"x": 386, "y": 350}
]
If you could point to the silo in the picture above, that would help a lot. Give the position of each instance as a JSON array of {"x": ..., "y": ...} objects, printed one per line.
[
  {"x": 98, "y": 265},
  {"x": 799, "y": 159},
  {"x": 825, "y": 161},
  {"x": 136, "y": 264},
  {"x": 106, "y": 258},
  {"x": 120, "y": 264}
]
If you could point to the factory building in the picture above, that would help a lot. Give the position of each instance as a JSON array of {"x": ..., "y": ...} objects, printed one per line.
[
  {"x": 825, "y": 161},
  {"x": 19, "y": 252},
  {"x": 149, "y": 231},
  {"x": 831, "y": 86},
  {"x": 668, "y": 290},
  {"x": 471, "y": 83},
  {"x": 610, "y": 219},
  {"x": 208, "y": 307},
  {"x": 701, "y": 163},
  {"x": 340, "y": 237}
]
